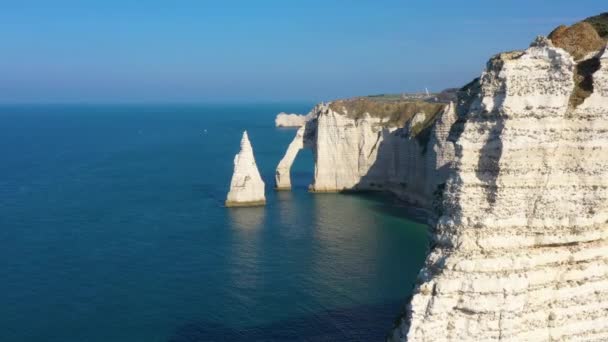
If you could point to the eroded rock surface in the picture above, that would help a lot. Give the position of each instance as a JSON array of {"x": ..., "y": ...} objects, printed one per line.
[
  {"x": 391, "y": 152},
  {"x": 282, "y": 176},
  {"x": 246, "y": 187},
  {"x": 361, "y": 144},
  {"x": 521, "y": 250}
]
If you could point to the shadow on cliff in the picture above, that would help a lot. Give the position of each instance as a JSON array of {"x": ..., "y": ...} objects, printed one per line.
[
  {"x": 488, "y": 165},
  {"x": 360, "y": 323},
  {"x": 386, "y": 161},
  {"x": 403, "y": 168},
  {"x": 470, "y": 108}
]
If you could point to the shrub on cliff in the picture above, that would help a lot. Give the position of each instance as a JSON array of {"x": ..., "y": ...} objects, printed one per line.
[{"x": 578, "y": 39}]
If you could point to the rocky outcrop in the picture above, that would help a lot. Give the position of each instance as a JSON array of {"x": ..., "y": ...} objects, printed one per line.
[
  {"x": 521, "y": 250},
  {"x": 379, "y": 152},
  {"x": 282, "y": 176},
  {"x": 362, "y": 144},
  {"x": 291, "y": 120},
  {"x": 246, "y": 187},
  {"x": 345, "y": 149},
  {"x": 516, "y": 176}
]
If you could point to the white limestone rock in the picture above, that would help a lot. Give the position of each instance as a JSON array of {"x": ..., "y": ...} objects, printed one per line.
[
  {"x": 291, "y": 120},
  {"x": 440, "y": 155},
  {"x": 282, "y": 176},
  {"x": 345, "y": 149},
  {"x": 414, "y": 123},
  {"x": 246, "y": 187},
  {"x": 521, "y": 251},
  {"x": 368, "y": 153}
]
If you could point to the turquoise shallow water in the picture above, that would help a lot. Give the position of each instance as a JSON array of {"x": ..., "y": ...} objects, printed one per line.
[{"x": 112, "y": 228}]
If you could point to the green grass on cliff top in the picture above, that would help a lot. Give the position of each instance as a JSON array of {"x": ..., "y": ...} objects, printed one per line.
[{"x": 395, "y": 112}]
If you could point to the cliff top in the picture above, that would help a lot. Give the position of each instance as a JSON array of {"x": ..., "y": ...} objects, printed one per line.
[
  {"x": 396, "y": 111},
  {"x": 445, "y": 96}
]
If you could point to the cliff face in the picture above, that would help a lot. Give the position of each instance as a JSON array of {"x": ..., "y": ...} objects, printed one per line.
[
  {"x": 400, "y": 147},
  {"x": 518, "y": 170},
  {"x": 521, "y": 251},
  {"x": 375, "y": 153}
]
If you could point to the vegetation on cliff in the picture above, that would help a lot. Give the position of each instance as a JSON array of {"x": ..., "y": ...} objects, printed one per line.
[
  {"x": 394, "y": 112},
  {"x": 580, "y": 40}
]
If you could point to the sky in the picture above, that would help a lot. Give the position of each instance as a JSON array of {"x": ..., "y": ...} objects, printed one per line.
[{"x": 116, "y": 51}]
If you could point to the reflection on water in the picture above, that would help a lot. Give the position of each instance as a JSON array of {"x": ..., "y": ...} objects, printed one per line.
[
  {"x": 313, "y": 260},
  {"x": 292, "y": 211},
  {"x": 247, "y": 219},
  {"x": 285, "y": 208},
  {"x": 346, "y": 255},
  {"x": 244, "y": 264}
]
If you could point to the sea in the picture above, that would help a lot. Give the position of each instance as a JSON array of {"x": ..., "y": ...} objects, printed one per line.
[{"x": 113, "y": 228}]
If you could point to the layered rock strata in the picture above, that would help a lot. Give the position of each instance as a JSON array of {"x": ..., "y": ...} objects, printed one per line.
[
  {"x": 404, "y": 150},
  {"x": 246, "y": 187},
  {"x": 521, "y": 250}
]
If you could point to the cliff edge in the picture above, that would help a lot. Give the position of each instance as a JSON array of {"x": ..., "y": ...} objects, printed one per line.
[{"x": 521, "y": 250}]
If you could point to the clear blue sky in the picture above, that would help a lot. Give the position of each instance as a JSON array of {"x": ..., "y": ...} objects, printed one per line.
[{"x": 196, "y": 51}]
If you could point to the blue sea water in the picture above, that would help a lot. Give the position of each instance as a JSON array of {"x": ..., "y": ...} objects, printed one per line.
[{"x": 112, "y": 228}]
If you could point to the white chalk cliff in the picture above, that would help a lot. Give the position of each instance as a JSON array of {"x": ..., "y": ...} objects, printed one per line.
[
  {"x": 515, "y": 176},
  {"x": 521, "y": 250},
  {"x": 291, "y": 120},
  {"x": 246, "y": 187},
  {"x": 370, "y": 152},
  {"x": 282, "y": 176}
]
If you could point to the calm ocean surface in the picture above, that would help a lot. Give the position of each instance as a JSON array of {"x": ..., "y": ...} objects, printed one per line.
[{"x": 112, "y": 228}]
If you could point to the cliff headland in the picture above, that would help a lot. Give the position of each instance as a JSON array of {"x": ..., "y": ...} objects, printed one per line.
[
  {"x": 380, "y": 143},
  {"x": 513, "y": 170}
]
